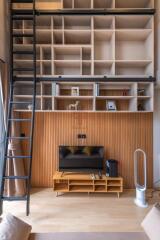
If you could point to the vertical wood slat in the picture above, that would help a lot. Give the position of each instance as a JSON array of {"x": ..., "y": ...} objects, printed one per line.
[{"x": 119, "y": 133}]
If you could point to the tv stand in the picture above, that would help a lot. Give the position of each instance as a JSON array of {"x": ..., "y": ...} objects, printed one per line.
[{"x": 81, "y": 182}]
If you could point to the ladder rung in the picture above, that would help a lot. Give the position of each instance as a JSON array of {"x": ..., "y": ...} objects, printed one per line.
[
  {"x": 23, "y": 52},
  {"x": 14, "y": 198},
  {"x": 23, "y": 35},
  {"x": 16, "y": 177},
  {"x": 22, "y": 12},
  {"x": 22, "y": 1},
  {"x": 18, "y": 18},
  {"x": 20, "y": 102},
  {"x": 20, "y": 119},
  {"x": 21, "y": 79},
  {"x": 20, "y": 138},
  {"x": 23, "y": 69},
  {"x": 11, "y": 157}
]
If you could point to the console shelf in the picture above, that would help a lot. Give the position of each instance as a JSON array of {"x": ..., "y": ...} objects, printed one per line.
[{"x": 72, "y": 182}]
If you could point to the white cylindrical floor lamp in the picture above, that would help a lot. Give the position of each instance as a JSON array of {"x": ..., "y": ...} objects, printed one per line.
[{"x": 140, "y": 199}]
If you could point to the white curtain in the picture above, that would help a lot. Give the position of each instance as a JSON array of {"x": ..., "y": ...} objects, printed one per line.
[{"x": 2, "y": 128}]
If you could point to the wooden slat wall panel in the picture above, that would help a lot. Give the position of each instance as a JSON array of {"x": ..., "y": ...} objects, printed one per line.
[{"x": 120, "y": 133}]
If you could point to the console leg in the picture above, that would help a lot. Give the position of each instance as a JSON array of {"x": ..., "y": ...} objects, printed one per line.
[
  {"x": 118, "y": 195},
  {"x": 56, "y": 194}
]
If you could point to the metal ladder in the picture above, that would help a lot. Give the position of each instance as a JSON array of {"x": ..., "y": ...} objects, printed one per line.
[{"x": 20, "y": 15}]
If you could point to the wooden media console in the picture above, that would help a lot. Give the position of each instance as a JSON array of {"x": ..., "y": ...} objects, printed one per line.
[{"x": 72, "y": 182}]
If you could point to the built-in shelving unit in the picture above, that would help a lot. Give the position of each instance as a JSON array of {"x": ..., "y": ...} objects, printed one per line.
[
  {"x": 92, "y": 4},
  {"x": 112, "y": 46},
  {"x": 71, "y": 182},
  {"x": 88, "y": 46},
  {"x": 91, "y": 97}
]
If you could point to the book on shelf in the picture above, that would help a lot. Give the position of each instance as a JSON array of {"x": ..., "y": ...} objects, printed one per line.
[
  {"x": 55, "y": 89},
  {"x": 96, "y": 89}
]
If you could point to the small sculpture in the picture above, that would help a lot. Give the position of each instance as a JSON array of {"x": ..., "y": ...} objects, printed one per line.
[
  {"x": 74, "y": 106},
  {"x": 30, "y": 107}
]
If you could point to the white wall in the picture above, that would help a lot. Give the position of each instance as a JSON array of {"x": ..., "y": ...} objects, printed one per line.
[
  {"x": 3, "y": 22},
  {"x": 156, "y": 134}
]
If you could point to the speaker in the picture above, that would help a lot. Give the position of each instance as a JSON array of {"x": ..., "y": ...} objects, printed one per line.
[{"x": 111, "y": 168}]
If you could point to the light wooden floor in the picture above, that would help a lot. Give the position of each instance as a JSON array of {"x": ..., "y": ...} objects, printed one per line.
[{"x": 80, "y": 212}]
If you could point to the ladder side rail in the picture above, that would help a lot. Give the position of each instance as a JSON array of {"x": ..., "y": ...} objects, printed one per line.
[{"x": 33, "y": 108}]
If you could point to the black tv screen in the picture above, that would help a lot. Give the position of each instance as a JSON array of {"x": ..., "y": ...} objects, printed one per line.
[{"x": 81, "y": 158}]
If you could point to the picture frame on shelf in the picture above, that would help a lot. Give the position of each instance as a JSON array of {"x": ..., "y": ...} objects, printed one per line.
[
  {"x": 111, "y": 105},
  {"x": 75, "y": 91}
]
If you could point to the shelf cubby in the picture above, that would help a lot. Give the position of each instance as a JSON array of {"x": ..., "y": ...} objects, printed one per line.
[
  {"x": 134, "y": 4},
  {"x": 57, "y": 22},
  {"x": 115, "y": 89},
  {"x": 57, "y": 37},
  {"x": 18, "y": 24},
  {"x": 145, "y": 90},
  {"x": 123, "y": 104},
  {"x": 82, "y": 37},
  {"x": 103, "y": 68},
  {"x": 43, "y": 22},
  {"x": 100, "y": 182},
  {"x": 46, "y": 89},
  {"x": 103, "y": 22},
  {"x": 67, "y": 53},
  {"x": 46, "y": 53},
  {"x": 74, "y": 23},
  {"x": 84, "y": 104},
  {"x": 134, "y": 68},
  {"x": 43, "y": 37},
  {"x": 86, "y": 53},
  {"x": 145, "y": 104},
  {"x": 49, "y": 4},
  {"x": 134, "y": 45},
  {"x": 28, "y": 25},
  {"x": 103, "y": 4},
  {"x": 103, "y": 45},
  {"x": 100, "y": 188},
  {"x": 85, "y": 89},
  {"x": 81, "y": 182},
  {"x": 86, "y": 68},
  {"x": 61, "y": 185},
  {"x": 68, "y": 4},
  {"x": 134, "y": 22},
  {"x": 114, "y": 182},
  {"x": 26, "y": 88},
  {"x": 82, "y": 188},
  {"x": 47, "y": 103},
  {"x": 80, "y": 4},
  {"x": 67, "y": 68},
  {"x": 113, "y": 189},
  {"x": 46, "y": 68}
]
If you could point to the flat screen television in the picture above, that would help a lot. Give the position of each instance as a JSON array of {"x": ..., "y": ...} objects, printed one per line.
[{"x": 81, "y": 158}]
